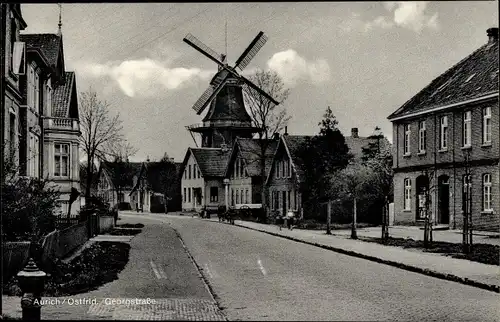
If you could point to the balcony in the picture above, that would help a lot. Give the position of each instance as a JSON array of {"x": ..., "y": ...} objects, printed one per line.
[{"x": 61, "y": 123}]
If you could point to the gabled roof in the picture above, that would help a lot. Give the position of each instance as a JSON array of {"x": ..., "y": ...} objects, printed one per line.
[
  {"x": 211, "y": 161},
  {"x": 250, "y": 151},
  {"x": 49, "y": 44},
  {"x": 473, "y": 77},
  {"x": 62, "y": 98},
  {"x": 133, "y": 169}
]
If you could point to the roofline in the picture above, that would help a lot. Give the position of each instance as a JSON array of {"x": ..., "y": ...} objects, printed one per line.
[
  {"x": 233, "y": 149},
  {"x": 440, "y": 108},
  {"x": 39, "y": 52},
  {"x": 282, "y": 139}
]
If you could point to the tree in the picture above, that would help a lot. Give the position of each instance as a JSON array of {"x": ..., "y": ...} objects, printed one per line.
[
  {"x": 322, "y": 156},
  {"x": 99, "y": 129},
  {"x": 168, "y": 178},
  {"x": 352, "y": 183},
  {"x": 265, "y": 115},
  {"x": 378, "y": 156},
  {"x": 375, "y": 146}
]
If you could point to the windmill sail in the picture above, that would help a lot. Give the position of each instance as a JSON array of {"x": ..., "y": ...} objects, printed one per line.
[
  {"x": 201, "y": 47},
  {"x": 259, "y": 90},
  {"x": 252, "y": 50},
  {"x": 208, "y": 96}
]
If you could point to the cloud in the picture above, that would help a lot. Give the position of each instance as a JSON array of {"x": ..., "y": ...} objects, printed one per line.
[
  {"x": 412, "y": 15},
  {"x": 293, "y": 68},
  {"x": 145, "y": 77},
  {"x": 380, "y": 22}
]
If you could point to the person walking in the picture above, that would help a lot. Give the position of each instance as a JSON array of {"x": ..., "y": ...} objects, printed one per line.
[
  {"x": 279, "y": 220},
  {"x": 290, "y": 219}
]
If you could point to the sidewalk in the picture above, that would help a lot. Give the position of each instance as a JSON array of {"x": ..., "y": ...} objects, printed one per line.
[{"x": 458, "y": 270}]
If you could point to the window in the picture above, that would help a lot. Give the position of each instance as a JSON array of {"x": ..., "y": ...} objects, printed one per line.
[
  {"x": 296, "y": 200},
  {"x": 422, "y": 137},
  {"x": 189, "y": 173},
  {"x": 232, "y": 197},
  {"x": 237, "y": 196},
  {"x": 247, "y": 199},
  {"x": 199, "y": 173},
  {"x": 194, "y": 171},
  {"x": 466, "y": 133},
  {"x": 283, "y": 169},
  {"x": 184, "y": 195},
  {"x": 31, "y": 86},
  {"x": 189, "y": 194},
  {"x": 185, "y": 173},
  {"x": 487, "y": 192},
  {"x": 487, "y": 125},
  {"x": 406, "y": 143},
  {"x": 443, "y": 133},
  {"x": 276, "y": 200},
  {"x": 407, "y": 194},
  {"x": 289, "y": 199},
  {"x": 278, "y": 169},
  {"x": 214, "y": 194},
  {"x": 289, "y": 168},
  {"x": 61, "y": 156},
  {"x": 36, "y": 92},
  {"x": 37, "y": 157},
  {"x": 271, "y": 196},
  {"x": 48, "y": 98},
  {"x": 242, "y": 169},
  {"x": 13, "y": 39}
]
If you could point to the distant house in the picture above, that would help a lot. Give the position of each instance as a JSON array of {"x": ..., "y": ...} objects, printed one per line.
[
  {"x": 287, "y": 171},
  {"x": 244, "y": 171},
  {"x": 148, "y": 193},
  {"x": 452, "y": 124},
  {"x": 203, "y": 171},
  {"x": 116, "y": 181}
]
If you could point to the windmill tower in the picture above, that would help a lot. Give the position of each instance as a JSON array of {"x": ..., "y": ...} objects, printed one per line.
[{"x": 227, "y": 117}]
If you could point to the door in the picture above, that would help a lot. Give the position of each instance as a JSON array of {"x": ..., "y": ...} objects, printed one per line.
[{"x": 444, "y": 200}]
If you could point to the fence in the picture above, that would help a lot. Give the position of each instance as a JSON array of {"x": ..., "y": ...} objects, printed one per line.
[{"x": 63, "y": 222}]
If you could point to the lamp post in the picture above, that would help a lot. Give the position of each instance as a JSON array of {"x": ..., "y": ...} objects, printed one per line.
[{"x": 31, "y": 280}]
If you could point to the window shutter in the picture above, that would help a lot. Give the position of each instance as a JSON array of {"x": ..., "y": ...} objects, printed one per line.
[{"x": 19, "y": 62}]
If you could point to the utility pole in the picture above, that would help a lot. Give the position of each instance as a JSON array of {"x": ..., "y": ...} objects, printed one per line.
[
  {"x": 354, "y": 234},
  {"x": 427, "y": 211},
  {"x": 328, "y": 217}
]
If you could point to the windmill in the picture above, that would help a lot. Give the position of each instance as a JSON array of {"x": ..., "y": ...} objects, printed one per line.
[{"x": 227, "y": 115}]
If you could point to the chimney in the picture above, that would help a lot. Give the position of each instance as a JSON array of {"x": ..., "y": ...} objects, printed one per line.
[
  {"x": 354, "y": 132},
  {"x": 492, "y": 35},
  {"x": 286, "y": 130}
]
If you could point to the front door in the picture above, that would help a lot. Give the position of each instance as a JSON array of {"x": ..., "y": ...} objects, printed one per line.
[{"x": 444, "y": 200}]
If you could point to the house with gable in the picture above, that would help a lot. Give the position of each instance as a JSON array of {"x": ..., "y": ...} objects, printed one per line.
[
  {"x": 116, "y": 182},
  {"x": 51, "y": 96},
  {"x": 244, "y": 171},
  {"x": 148, "y": 193},
  {"x": 203, "y": 171},
  {"x": 447, "y": 145},
  {"x": 286, "y": 172}
]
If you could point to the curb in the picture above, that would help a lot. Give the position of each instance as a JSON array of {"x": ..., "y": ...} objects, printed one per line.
[
  {"x": 206, "y": 282},
  {"x": 415, "y": 269}
]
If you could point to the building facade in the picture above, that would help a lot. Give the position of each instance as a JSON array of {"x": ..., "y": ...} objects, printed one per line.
[
  {"x": 244, "y": 171},
  {"x": 14, "y": 66},
  {"x": 447, "y": 144},
  {"x": 203, "y": 171}
]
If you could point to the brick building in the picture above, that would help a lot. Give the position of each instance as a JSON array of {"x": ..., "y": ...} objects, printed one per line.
[{"x": 450, "y": 125}]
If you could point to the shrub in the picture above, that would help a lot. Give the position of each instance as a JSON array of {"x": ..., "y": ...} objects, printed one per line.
[{"x": 28, "y": 206}]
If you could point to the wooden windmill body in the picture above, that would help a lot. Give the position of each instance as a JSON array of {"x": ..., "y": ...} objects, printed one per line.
[{"x": 227, "y": 117}]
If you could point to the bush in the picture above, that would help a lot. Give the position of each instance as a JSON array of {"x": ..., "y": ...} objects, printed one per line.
[
  {"x": 29, "y": 206},
  {"x": 124, "y": 206}
]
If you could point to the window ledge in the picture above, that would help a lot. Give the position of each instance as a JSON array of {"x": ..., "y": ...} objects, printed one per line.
[
  {"x": 406, "y": 155},
  {"x": 422, "y": 153},
  {"x": 487, "y": 212},
  {"x": 406, "y": 210},
  {"x": 466, "y": 147},
  {"x": 443, "y": 150},
  {"x": 486, "y": 145}
]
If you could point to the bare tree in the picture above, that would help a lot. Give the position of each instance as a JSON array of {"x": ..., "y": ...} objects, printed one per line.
[
  {"x": 266, "y": 116},
  {"x": 120, "y": 151},
  {"x": 99, "y": 129}
]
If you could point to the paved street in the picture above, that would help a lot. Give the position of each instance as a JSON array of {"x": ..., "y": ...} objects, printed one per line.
[
  {"x": 160, "y": 274},
  {"x": 260, "y": 277}
]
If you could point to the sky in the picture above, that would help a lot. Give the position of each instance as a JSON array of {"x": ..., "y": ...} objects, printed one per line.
[{"x": 363, "y": 59}]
